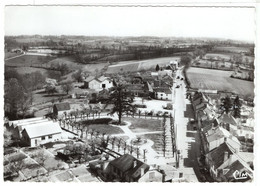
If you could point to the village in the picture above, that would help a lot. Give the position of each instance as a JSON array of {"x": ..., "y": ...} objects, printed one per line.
[{"x": 137, "y": 126}]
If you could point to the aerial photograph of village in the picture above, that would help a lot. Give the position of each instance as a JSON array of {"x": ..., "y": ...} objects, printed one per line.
[{"x": 92, "y": 94}]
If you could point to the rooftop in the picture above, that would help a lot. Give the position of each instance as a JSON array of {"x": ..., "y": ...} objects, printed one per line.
[
  {"x": 126, "y": 164},
  {"x": 227, "y": 118},
  {"x": 217, "y": 154},
  {"x": 44, "y": 129}
]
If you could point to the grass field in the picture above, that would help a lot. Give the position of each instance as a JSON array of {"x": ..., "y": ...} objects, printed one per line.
[
  {"x": 227, "y": 56},
  {"x": 25, "y": 70},
  {"x": 103, "y": 128},
  {"x": 207, "y": 64},
  {"x": 28, "y": 60},
  {"x": 231, "y": 49},
  {"x": 219, "y": 80},
  {"x": 144, "y": 125},
  {"x": 11, "y": 54},
  {"x": 131, "y": 66}
]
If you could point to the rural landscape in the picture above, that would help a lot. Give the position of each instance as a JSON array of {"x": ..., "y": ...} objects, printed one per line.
[{"x": 128, "y": 109}]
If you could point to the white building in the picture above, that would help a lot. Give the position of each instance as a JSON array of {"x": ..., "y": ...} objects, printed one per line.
[
  {"x": 163, "y": 93},
  {"x": 34, "y": 135},
  {"x": 98, "y": 83}
]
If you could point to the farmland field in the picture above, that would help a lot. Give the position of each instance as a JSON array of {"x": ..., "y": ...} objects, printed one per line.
[
  {"x": 26, "y": 70},
  {"x": 227, "y": 56},
  {"x": 219, "y": 80},
  {"x": 28, "y": 60},
  {"x": 131, "y": 66},
  {"x": 231, "y": 49}
]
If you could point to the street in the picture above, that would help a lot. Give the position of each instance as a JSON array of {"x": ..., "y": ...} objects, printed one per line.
[{"x": 187, "y": 139}]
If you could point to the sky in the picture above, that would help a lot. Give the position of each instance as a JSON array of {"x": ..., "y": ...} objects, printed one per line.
[{"x": 227, "y": 23}]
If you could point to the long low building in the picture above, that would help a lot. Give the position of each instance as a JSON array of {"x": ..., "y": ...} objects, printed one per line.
[
  {"x": 35, "y": 131},
  {"x": 34, "y": 135}
]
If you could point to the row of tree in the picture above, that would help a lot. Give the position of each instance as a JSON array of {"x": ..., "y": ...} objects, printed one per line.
[{"x": 227, "y": 106}]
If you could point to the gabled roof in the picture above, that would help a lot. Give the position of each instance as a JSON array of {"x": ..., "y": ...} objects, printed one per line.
[
  {"x": 162, "y": 89},
  {"x": 125, "y": 164},
  {"x": 62, "y": 106},
  {"x": 217, "y": 154},
  {"x": 227, "y": 118},
  {"x": 102, "y": 78},
  {"x": 45, "y": 129}
]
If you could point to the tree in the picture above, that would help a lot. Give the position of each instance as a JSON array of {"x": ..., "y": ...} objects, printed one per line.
[
  {"x": 16, "y": 98},
  {"x": 236, "y": 107},
  {"x": 185, "y": 61},
  {"x": 122, "y": 103},
  {"x": 226, "y": 104},
  {"x": 77, "y": 75},
  {"x": 157, "y": 68},
  {"x": 41, "y": 157},
  {"x": 67, "y": 87}
]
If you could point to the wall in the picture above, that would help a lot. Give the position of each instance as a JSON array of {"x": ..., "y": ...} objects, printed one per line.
[{"x": 55, "y": 137}]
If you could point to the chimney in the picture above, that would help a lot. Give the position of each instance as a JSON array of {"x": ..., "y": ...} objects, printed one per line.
[
  {"x": 225, "y": 156},
  {"x": 142, "y": 171},
  {"x": 225, "y": 139},
  {"x": 230, "y": 160},
  {"x": 134, "y": 163}
]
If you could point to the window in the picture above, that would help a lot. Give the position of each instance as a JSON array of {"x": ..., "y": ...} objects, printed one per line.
[
  {"x": 50, "y": 136},
  {"x": 43, "y": 137}
]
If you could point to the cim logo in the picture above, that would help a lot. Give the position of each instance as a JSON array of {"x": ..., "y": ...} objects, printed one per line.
[{"x": 241, "y": 175}]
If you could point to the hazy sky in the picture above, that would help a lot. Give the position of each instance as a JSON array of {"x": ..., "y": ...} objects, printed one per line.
[{"x": 229, "y": 23}]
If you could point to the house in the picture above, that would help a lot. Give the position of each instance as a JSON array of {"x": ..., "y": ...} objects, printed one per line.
[
  {"x": 228, "y": 122},
  {"x": 34, "y": 135},
  {"x": 214, "y": 136},
  {"x": 61, "y": 108},
  {"x": 163, "y": 93},
  {"x": 102, "y": 82},
  {"x": 224, "y": 163},
  {"x": 126, "y": 168},
  {"x": 153, "y": 175},
  {"x": 204, "y": 111},
  {"x": 18, "y": 128},
  {"x": 140, "y": 90}
]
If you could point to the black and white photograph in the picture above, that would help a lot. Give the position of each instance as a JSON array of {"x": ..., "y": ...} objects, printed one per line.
[{"x": 129, "y": 93}]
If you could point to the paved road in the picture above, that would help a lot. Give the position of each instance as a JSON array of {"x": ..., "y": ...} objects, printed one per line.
[{"x": 187, "y": 139}]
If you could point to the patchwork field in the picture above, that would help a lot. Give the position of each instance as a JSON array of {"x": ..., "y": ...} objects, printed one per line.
[
  {"x": 28, "y": 60},
  {"x": 219, "y": 80},
  {"x": 227, "y": 56},
  {"x": 232, "y": 49},
  {"x": 130, "y": 66}
]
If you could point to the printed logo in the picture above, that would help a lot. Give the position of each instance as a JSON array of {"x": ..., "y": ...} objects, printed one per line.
[{"x": 241, "y": 175}]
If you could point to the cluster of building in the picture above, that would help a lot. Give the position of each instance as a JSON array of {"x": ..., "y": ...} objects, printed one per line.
[
  {"x": 153, "y": 85},
  {"x": 127, "y": 168},
  {"x": 224, "y": 154}
]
